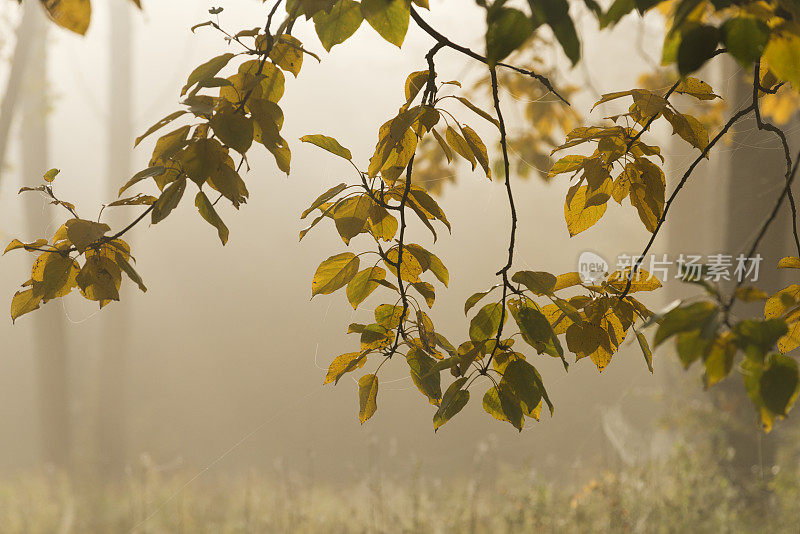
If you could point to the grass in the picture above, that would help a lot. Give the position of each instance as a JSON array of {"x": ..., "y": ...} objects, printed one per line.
[{"x": 685, "y": 492}]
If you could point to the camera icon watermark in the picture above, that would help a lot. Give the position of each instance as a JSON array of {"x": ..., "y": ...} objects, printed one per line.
[{"x": 592, "y": 268}]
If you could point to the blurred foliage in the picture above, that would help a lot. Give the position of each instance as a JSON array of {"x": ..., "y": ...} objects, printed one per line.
[{"x": 684, "y": 491}]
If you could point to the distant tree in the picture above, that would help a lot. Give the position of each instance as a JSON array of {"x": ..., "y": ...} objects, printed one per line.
[{"x": 231, "y": 103}]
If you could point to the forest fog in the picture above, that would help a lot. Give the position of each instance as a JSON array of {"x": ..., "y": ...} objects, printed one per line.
[{"x": 223, "y": 358}]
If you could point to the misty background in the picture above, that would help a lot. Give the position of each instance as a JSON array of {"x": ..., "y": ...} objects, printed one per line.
[{"x": 220, "y": 364}]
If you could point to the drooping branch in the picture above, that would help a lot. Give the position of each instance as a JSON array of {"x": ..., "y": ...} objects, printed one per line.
[
  {"x": 512, "y": 238},
  {"x": 638, "y": 262}
]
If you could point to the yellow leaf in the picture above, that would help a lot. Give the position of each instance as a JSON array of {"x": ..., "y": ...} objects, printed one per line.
[
  {"x": 641, "y": 281},
  {"x": 696, "y": 88},
  {"x": 410, "y": 267},
  {"x": 789, "y": 262},
  {"x": 415, "y": 83},
  {"x": 367, "y": 397},
  {"x": 24, "y": 302},
  {"x": 100, "y": 279},
  {"x": 363, "y": 284},
  {"x": 350, "y": 216},
  {"x": 54, "y": 275},
  {"x": 783, "y": 56},
  {"x": 782, "y": 301},
  {"x": 74, "y": 15},
  {"x": 287, "y": 53},
  {"x": 478, "y": 149},
  {"x": 343, "y": 364},
  {"x": 15, "y": 244},
  {"x": 460, "y": 145},
  {"x": 567, "y": 280},
  {"x": 334, "y": 273},
  {"x": 328, "y": 143},
  {"x": 567, "y": 164},
  {"x": 578, "y": 215}
]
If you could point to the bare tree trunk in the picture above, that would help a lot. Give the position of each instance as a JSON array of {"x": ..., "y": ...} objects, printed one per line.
[
  {"x": 19, "y": 60},
  {"x": 50, "y": 341},
  {"x": 755, "y": 178},
  {"x": 111, "y": 421}
]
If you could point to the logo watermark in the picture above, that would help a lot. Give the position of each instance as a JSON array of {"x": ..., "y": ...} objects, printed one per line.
[{"x": 592, "y": 268}]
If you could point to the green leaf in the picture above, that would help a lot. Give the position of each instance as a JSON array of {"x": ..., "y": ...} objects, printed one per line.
[
  {"x": 683, "y": 319},
  {"x": 83, "y": 233},
  {"x": 745, "y": 38},
  {"x": 160, "y": 124},
  {"x": 697, "y": 46},
  {"x": 367, "y": 397},
  {"x": 556, "y": 14},
  {"x": 208, "y": 213},
  {"x": 334, "y": 273},
  {"x": 500, "y": 403},
  {"x": 168, "y": 200},
  {"x": 534, "y": 326},
  {"x": 453, "y": 401},
  {"x": 206, "y": 71},
  {"x": 425, "y": 375},
  {"x": 539, "y": 282},
  {"x": 646, "y": 352},
  {"x": 614, "y": 14},
  {"x": 388, "y": 17},
  {"x": 474, "y": 299},
  {"x": 158, "y": 170},
  {"x": 486, "y": 322},
  {"x": 336, "y": 26},
  {"x": 521, "y": 378},
  {"x": 233, "y": 129},
  {"x": 323, "y": 198},
  {"x": 131, "y": 273},
  {"x": 50, "y": 175},
  {"x": 328, "y": 143},
  {"x": 507, "y": 30},
  {"x": 779, "y": 384}
]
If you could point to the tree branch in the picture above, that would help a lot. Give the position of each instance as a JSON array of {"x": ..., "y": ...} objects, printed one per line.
[
  {"x": 474, "y": 55},
  {"x": 512, "y": 239}
]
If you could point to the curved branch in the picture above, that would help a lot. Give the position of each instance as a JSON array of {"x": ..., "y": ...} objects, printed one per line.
[
  {"x": 512, "y": 240},
  {"x": 444, "y": 41},
  {"x": 733, "y": 120}
]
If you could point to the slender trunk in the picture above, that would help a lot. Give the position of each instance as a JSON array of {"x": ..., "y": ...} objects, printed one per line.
[
  {"x": 50, "y": 342},
  {"x": 19, "y": 60},
  {"x": 755, "y": 179},
  {"x": 111, "y": 409}
]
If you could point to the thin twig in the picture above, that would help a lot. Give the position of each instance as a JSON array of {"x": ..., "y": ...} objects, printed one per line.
[
  {"x": 512, "y": 239},
  {"x": 733, "y": 120},
  {"x": 474, "y": 55}
]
